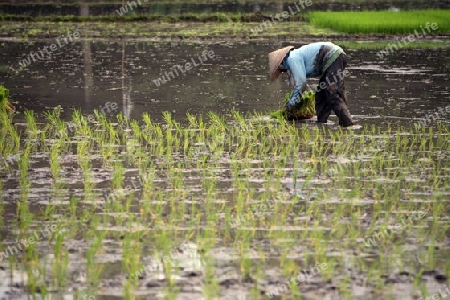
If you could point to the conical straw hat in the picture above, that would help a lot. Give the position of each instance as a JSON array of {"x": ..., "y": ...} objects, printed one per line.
[{"x": 275, "y": 59}]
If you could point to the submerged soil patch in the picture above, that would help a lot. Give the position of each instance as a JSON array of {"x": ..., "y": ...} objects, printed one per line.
[{"x": 229, "y": 206}]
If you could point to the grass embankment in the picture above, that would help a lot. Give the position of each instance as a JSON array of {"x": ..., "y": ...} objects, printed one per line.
[
  {"x": 321, "y": 25},
  {"x": 157, "y": 30},
  {"x": 383, "y": 22},
  {"x": 220, "y": 17},
  {"x": 223, "y": 182}
]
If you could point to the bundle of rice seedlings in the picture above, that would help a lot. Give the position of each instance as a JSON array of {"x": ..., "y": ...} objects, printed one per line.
[
  {"x": 4, "y": 99},
  {"x": 304, "y": 109}
]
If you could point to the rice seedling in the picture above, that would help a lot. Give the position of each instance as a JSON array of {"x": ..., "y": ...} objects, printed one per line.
[
  {"x": 5, "y": 104},
  {"x": 54, "y": 162},
  {"x": 22, "y": 209},
  {"x": 60, "y": 262},
  {"x": 403, "y": 22},
  {"x": 305, "y": 109},
  {"x": 31, "y": 124},
  {"x": 244, "y": 182},
  {"x": 10, "y": 138},
  {"x": 131, "y": 258},
  {"x": 34, "y": 271}
]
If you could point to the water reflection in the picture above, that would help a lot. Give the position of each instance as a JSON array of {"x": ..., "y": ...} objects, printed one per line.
[
  {"x": 86, "y": 46},
  {"x": 127, "y": 105}
]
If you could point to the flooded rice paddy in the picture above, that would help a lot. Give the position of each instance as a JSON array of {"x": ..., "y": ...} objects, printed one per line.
[
  {"x": 403, "y": 87},
  {"x": 114, "y": 187}
]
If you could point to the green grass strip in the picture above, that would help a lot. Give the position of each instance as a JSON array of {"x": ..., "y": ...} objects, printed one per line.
[{"x": 390, "y": 22}]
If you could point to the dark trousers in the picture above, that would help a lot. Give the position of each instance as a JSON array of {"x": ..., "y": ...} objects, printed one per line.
[{"x": 332, "y": 97}]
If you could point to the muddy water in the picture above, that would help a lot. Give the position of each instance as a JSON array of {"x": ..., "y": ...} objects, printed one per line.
[
  {"x": 400, "y": 88},
  {"x": 118, "y": 77}
]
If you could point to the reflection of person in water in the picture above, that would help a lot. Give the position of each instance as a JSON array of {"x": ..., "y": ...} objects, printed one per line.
[{"x": 322, "y": 59}]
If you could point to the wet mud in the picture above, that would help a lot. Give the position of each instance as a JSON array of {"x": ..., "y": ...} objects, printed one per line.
[{"x": 132, "y": 78}]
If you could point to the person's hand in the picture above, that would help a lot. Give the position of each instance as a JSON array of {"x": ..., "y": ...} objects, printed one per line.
[
  {"x": 290, "y": 109},
  {"x": 293, "y": 103}
]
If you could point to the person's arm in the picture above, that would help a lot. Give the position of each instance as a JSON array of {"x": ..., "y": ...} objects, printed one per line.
[{"x": 298, "y": 71}]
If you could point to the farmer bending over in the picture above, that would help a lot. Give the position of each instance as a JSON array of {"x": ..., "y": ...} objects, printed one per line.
[{"x": 322, "y": 59}]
